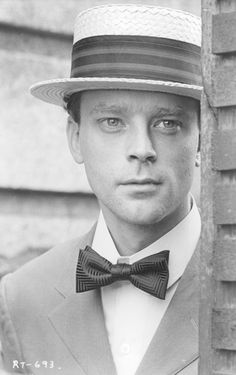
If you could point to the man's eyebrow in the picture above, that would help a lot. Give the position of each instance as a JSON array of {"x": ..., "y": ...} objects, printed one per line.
[
  {"x": 175, "y": 111},
  {"x": 114, "y": 108}
]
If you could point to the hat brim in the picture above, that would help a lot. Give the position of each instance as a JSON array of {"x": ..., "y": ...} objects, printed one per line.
[{"x": 56, "y": 91}]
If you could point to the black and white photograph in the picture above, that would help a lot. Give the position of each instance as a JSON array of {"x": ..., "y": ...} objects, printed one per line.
[{"x": 118, "y": 187}]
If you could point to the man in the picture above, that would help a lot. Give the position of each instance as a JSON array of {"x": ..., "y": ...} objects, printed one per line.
[{"x": 106, "y": 303}]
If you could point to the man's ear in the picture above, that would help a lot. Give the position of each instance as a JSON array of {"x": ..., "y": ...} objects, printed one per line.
[{"x": 73, "y": 138}]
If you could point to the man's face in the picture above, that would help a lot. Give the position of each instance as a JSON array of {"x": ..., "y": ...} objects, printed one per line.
[{"x": 139, "y": 151}]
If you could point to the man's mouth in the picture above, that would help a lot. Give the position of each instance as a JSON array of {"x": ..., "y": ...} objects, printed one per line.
[
  {"x": 141, "y": 181},
  {"x": 141, "y": 187}
]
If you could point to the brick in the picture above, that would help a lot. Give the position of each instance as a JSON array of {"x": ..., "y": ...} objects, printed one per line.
[
  {"x": 225, "y": 259},
  {"x": 224, "y": 33},
  {"x": 224, "y": 328},
  {"x": 224, "y": 84},
  {"x": 224, "y": 150},
  {"x": 225, "y": 204}
]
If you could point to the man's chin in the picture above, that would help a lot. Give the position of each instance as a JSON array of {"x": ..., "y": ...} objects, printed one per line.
[
  {"x": 143, "y": 217},
  {"x": 142, "y": 212}
]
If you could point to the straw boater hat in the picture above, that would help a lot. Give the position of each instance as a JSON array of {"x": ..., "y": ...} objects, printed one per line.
[{"x": 132, "y": 47}]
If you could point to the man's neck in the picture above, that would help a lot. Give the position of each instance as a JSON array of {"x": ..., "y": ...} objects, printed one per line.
[{"x": 131, "y": 238}]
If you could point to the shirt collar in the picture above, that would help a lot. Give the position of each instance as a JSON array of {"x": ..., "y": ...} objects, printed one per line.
[{"x": 181, "y": 241}]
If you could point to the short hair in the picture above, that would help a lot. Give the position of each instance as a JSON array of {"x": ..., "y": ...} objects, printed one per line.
[{"x": 72, "y": 106}]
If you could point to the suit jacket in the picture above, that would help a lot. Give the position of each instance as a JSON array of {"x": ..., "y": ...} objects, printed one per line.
[{"x": 43, "y": 319}]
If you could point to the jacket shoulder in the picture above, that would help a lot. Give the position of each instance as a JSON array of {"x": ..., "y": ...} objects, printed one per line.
[
  {"x": 33, "y": 285},
  {"x": 29, "y": 294},
  {"x": 46, "y": 266}
]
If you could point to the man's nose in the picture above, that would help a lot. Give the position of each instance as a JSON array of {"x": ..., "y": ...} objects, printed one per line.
[{"x": 140, "y": 145}]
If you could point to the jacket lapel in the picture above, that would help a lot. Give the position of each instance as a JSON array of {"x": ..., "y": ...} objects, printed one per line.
[
  {"x": 175, "y": 343},
  {"x": 79, "y": 322}
]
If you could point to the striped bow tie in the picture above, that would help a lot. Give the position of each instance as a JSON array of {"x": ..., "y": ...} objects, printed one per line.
[{"x": 149, "y": 274}]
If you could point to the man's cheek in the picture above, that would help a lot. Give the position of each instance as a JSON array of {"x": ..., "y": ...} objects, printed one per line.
[
  {"x": 186, "y": 171},
  {"x": 187, "y": 156},
  {"x": 182, "y": 168}
]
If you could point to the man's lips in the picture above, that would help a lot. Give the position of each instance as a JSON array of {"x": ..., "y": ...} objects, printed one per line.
[
  {"x": 141, "y": 181},
  {"x": 140, "y": 188}
]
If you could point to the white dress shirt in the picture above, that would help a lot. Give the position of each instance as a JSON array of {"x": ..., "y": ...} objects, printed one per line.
[{"x": 131, "y": 315}]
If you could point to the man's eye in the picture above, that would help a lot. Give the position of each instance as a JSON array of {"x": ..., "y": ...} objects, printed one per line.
[
  {"x": 111, "y": 123},
  {"x": 167, "y": 124}
]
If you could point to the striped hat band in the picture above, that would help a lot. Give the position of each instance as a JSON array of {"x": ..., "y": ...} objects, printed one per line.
[{"x": 139, "y": 57}]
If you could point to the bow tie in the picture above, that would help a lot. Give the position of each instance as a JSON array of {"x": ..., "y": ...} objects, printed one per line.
[{"x": 149, "y": 274}]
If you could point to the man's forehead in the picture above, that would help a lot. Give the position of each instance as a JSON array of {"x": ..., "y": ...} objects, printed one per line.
[{"x": 130, "y": 100}]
